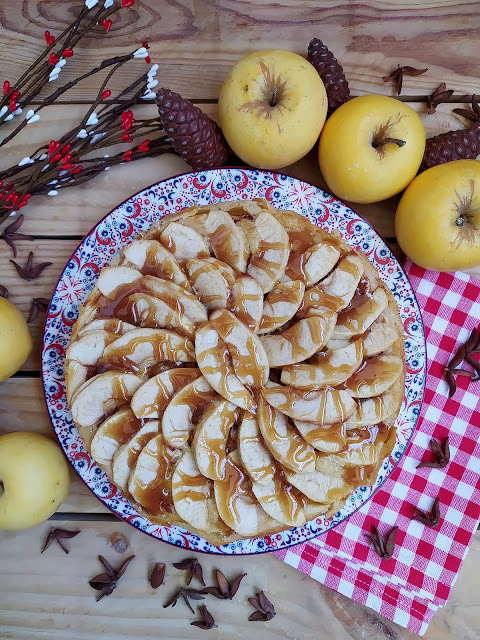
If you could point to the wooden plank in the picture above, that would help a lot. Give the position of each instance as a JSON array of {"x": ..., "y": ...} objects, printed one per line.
[
  {"x": 77, "y": 209},
  {"x": 22, "y": 408},
  {"x": 48, "y": 596},
  {"x": 196, "y": 43}
]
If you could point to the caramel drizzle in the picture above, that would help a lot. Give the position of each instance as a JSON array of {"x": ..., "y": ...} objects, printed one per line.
[
  {"x": 238, "y": 305},
  {"x": 233, "y": 488},
  {"x": 291, "y": 500},
  {"x": 282, "y": 293},
  {"x": 198, "y": 487},
  {"x": 137, "y": 443},
  {"x": 262, "y": 263},
  {"x": 332, "y": 433},
  {"x": 290, "y": 447},
  {"x": 319, "y": 412},
  {"x": 258, "y": 473},
  {"x": 121, "y": 427},
  {"x": 156, "y": 496},
  {"x": 178, "y": 378}
]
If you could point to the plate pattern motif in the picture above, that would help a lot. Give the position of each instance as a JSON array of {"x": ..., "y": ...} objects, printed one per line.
[{"x": 137, "y": 214}]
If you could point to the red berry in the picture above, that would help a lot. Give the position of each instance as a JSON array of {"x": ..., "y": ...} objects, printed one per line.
[
  {"x": 52, "y": 147},
  {"x": 144, "y": 146},
  {"x": 53, "y": 59},
  {"x": 66, "y": 148},
  {"x": 145, "y": 44},
  {"x": 56, "y": 157},
  {"x": 49, "y": 38},
  {"x": 6, "y": 87},
  {"x": 107, "y": 24},
  {"x": 128, "y": 3},
  {"x": 106, "y": 94},
  {"x": 76, "y": 169},
  {"x": 12, "y": 105},
  {"x": 68, "y": 166},
  {"x": 15, "y": 95},
  {"x": 148, "y": 59},
  {"x": 66, "y": 158},
  {"x": 68, "y": 53}
]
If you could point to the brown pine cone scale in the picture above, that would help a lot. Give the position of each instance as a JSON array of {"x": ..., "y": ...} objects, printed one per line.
[
  {"x": 193, "y": 135},
  {"x": 331, "y": 73},
  {"x": 453, "y": 145}
]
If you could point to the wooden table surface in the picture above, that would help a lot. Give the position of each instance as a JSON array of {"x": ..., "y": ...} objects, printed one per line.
[{"x": 195, "y": 42}]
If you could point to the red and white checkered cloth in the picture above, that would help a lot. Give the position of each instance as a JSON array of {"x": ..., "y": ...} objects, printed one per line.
[{"x": 412, "y": 585}]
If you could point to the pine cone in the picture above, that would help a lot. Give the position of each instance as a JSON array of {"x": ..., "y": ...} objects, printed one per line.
[
  {"x": 195, "y": 136},
  {"x": 453, "y": 145},
  {"x": 331, "y": 73}
]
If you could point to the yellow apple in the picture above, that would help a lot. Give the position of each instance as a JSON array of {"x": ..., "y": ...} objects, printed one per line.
[
  {"x": 371, "y": 148},
  {"x": 438, "y": 217},
  {"x": 34, "y": 479},
  {"x": 272, "y": 108},
  {"x": 15, "y": 339}
]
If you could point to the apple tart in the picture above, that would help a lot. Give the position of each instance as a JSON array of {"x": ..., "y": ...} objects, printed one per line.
[{"x": 237, "y": 371}]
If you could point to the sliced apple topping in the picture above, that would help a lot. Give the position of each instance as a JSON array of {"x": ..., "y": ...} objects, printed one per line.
[
  {"x": 328, "y": 368},
  {"x": 376, "y": 376},
  {"x": 380, "y": 408},
  {"x": 280, "y": 500},
  {"x": 226, "y": 239},
  {"x": 143, "y": 348},
  {"x": 182, "y": 412},
  {"x": 312, "y": 265},
  {"x": 150, "y": 482},
  {"x": 283, "y": 440},
  {"x": 151, "y": 399},
  {"x": 215, "y": 363},
  {"x": 248, "y": 355},
  {"x": 193, "y": 496},
  {"x": 111, "y": 325},
  {"x": 381, "y": 335},
  {"x": 236, "y": 503},
  {"x": 77, "y": 374},
  {"x": 367, "y": 446},
  {"x": 269, "y": 244},
  {"x": 102, "y": 395},
  {"x": 329, "y": 438},
  {"x": 147, "y": 311},
  {"x": 112, "y": 279},
  {"x": 300, "y": 341},
  {"x": 246, "y": 301},
  {"x": 336, "y": 291},
  {"x": 256, "y": 458},
  {"x": 211, "y": 280},
  {"x": 319, "y": 486},
  {"x": 358, "y": 318},
  {"x": 184, "y": 242},
  {"x": 114, "y": 432},
  {"x": 125, "y": 459},
  {"x": 281, "y": 305},
  {"x": 151, "y": 258},
  {"x": 327, "y": 406},
  {"x": 176, "y": 297},
  {"x": 211, "y": 435}
]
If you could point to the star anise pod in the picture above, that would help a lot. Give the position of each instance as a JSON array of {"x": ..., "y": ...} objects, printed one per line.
[
  {"x": 3, "y": 291},
  {"x": 472, "y": 345},
  {"x": 107, "y": 582},
  {"x": 441, "y": 453},
  {"x": 398, "y": 74},
  {"x": 58, "y": 535},
  {"x": 441, "y": 94},
  {"x": 207, "y": 621},
  {"x": 264, "y": 608},
  {"x": 158, "y": 574},
  {"x": 473, "y": 114},
  {"x": 193, "y": 594},
  {"x": 10, "y": 234},
  {"x": 38, "y": 304},
  {"x": 193, "y": 567},
  {"x": 384, "y": 547},
  {"x": 29, "y": 272},
  {"x": 225, "y": 590},
  {"x": 428, "y": 519}
]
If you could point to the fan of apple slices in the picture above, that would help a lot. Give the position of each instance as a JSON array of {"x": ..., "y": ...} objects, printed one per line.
[{"x": 237, "y": 371}]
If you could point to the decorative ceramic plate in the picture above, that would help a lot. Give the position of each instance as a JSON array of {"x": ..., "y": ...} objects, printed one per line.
[{"x": 137, "y": 214}]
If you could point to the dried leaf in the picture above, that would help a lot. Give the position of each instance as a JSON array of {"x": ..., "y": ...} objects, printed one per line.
[
  {"x": 472, "y": 362},
  {"x": 398, "y": 74},
  {"x": 64, "y": 533},
  {"x": 110, "y": 570},
  {"x": 236, "y": 584},
  {"x": 3, "y": 291},
  {"x": 464, "y": 372},
  {"x": 58, "y": 535},
  {"x": 194, "y": 594},
  {"x": 158, "y": 574},
  {"x": 49, "y": 540},
  {"x": 185, "y": 594},
  {"x": 222, "y": 583},
  {"x": 258, "y": 616},
  {"x": 99, "y": 581},
  {"x": 390, "y": 543},
  {"x": 429, "y": 519},
  {"x": 256, "y": 604},
  {"x": 10, "y": 234},
  {"x": 472, "y": 341},
  {"x": 441, "y": 453},
  {"x": 185, "y": 599},
  {"x": 452, "y": 385},
  {"x": 124, "y": 566},
  {"x": 384, "y": 547},
  {"x": 466, "y": 113},
  {"x": 265, "y": 603},
  {"x": 202, "y": 625},
  {"x": 29, "y": 272},
  {"x": 457, "y": 358},
  {"x": 207, "y": 621},
  {"x": 446, "y": 450},
  {"x": 214, "y": 591},
  {"x": 38, "y": 304},
  {"x": 198, "y": 571},
  {"x": 184, "y": 564},
  {"x": 441, "y": 94},
  {"x": 411, "y": 71}
]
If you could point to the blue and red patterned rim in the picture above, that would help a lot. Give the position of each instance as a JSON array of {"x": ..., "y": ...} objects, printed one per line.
[{"x": 137, "y": 214}]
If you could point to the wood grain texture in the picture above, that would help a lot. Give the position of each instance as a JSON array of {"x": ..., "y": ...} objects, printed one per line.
[
  {"x": 48, "y": 597},
  {"x": 77, "y": 209},
  {"x": 196, "y": 41}
]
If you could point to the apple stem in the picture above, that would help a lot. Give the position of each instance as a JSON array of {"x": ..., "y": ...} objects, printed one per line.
[
  {"x": 399, "y": 143},
  {"x": 273, "y": 97}
]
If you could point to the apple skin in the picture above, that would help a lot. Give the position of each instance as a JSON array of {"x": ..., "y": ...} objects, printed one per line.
[
  {"x": 426, "y": 219},
  {"x": 35, "y": 478},
  {"x": 15, "y": 339},
  {"x": 353, "y": 168},
  {"x": 270, "y": 137}
]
